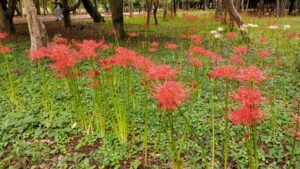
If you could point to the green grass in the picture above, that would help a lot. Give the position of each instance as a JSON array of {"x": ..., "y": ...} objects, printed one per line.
[{"x": 28, "y": 139}]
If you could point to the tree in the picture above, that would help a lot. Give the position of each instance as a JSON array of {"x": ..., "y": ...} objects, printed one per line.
[
  {"x": 92, "y": 10},
  {"x": 7, "y": 10},
  {"x": 116, "y": 8},
  {"x": 67, "y": 8},
  {"x": 165, "y": 13},
  {"x": 148, "y": 5},
  {"x": 155, "y": 4},
  {"x": 261, "y": 7},
  {"x": 37, "y": 30},
  {"x": 219, "y": 9},
  {"x": 237, "y": 18},
  {"x": 291, "y": 6}
]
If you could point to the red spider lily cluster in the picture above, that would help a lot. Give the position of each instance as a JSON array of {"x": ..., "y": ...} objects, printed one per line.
[
  {"x": 171, "y": 46},
  {"x": 3, "y": 49},
  {"x": 196, "y": 39},
  {"x": 231, "y": 35},
  {"x": 294, "y": 35},
  {"x": 3, "y": 35},
  {"x": 170, "y": 95},
  {"x": 240, "y": 50},
  {"x": 264, "y": 54},
  {"x": 262, "y": 39},
  {"x": 195, "y": 62},
  {"x": 224, "y": 72},
  {"x": 201, "y": 51},
  {"x": 297, "y": 120},
  {"x": 237, "y": 60}
]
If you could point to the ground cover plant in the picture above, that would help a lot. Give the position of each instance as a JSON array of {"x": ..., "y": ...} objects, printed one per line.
[{"x": 188, "y": 93}]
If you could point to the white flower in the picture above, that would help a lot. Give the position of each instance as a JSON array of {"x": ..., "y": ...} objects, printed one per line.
[
  {"x": 286, "y": 27},
  {"x": 273, "y": 27},
  {"x": 220, "y": 29},
  {"x": 213, "y": 32},
  {"x": 218, "y": 36},
  {"x": 244, "y": 27},
  {"x": 252, "y": 25}
]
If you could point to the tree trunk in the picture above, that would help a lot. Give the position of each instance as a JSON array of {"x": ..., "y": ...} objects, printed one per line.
[
  {"x": 247, "y": 5},
  {"x": 165, "y": 14},
  {"x": 66, "y": 12},
  {"x": 90, "y": 8},
  {"x": 291, "y": 7},
  {"x": 156, "y": 4},
  {"x": 6, "y": 15},
  {"x": 45, "y": 10},
  {"x": 242, "y": 5},
  {"x": 37, "y": 30},
  {"x": 116, "y": 8},
  {"x": 38, "y": 7},
  {"x": 174, "y": 7},
  {"x": 130, "y": 5},
  {"x": 237, "y": 18},
  {"x": 282, "y": 5},
  {"x": 238, "y": 5},
  {"x": 219, "y": 9},
  {"x": 148, "y": 6},
  {"x": 261, "y": 8}
]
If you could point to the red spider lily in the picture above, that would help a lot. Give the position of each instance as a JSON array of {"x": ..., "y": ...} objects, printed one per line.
[
  {"x": 262, "y": 40},
  {"x": 154, "y": 44},
  {"x": 38, "y": 54},
  {"x": 194, "y": 85},
  {"x": 206, "y": 53},
  {"x": 161, "y": 72},
  {"x": 142, "y": 63},
  {"x": 183, "y": 36},
  {"x": 196, "y": 39},
  {"x": 106, "y": 64},
  {"x": 169, "y": 95},
  {"x": 4, "y": 49},
  {"x": 171, "y": 46},
  {"x": 264, "y": 54},
  {"x": 94, "y": 83},
  {"x": 296, "y": 118},
  {"x": 195, "y": 62},
  {"x": 60, "y": 40},
  {"x": 87, "y": 49},
  {"x": 231, "y": 35},
  {"x": 124, "y": 57},
  {"x": 297, "y": 134},
  {"x": 153, "y": 50},
  {"x": 113, "y": 31},
  {"x": 133, "y": 35},
  {"x": 3, "y": 35},
  {"x": 237, "y": 60},
  {"x": 251, "y": 74},
  {"x": 246, "y": 116},
  {"x": 240, "y": 49},
  {"x": 224, "y": 72},
  {"x": 93, "y": 73},
  {"x": 248, "y": 96}
]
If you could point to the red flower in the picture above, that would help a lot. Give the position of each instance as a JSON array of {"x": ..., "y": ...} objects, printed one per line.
[
  {"x": 248, "y": 96},
  {"x": 60, "y": 40},
  {"x": 240, "y": 49},
  {"x": 297, "y": 134},
  {"x": 231, "y": 35},
  {"x": 246, "y": 116},
  {"x": 224, "y": 72},
  {"x": 3, "y": 35},
  {"x": 264, "y": 54},
  {"x": 196, "y": 39},
  {"x": 124, "y": 57},
  {"x": 133, "y": 35},
  {"x": 195, "y": 62},
  {"x": 206, "y": 53},
  {"x": 92, "y": 73},
  {"x": 170, "y": 95},
  {"x": 153, "y": 50},
  {"x": 171, "y": 46},
  {"x": 183, "y": 36},
  {"x": 262, "y": 40},
  {"x": 237, "y": 60},
  {"x": 113, "y": 31},
  {"x": 87, "y": 49},
  {"x": 296, "y": 118},
  {"x": 154, "y": 44},
  {"x": 142, "y": 63},
  {"x": 161, "y": 72},
  {"x": 4, "y": 49},
  {"x": 38, "y": 54},
  {"x": 106, "y": 64},
  {"x": 251, "y": 74}
]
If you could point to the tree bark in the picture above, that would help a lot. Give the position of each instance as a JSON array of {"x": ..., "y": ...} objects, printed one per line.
[
  {"x": 148, "y": 6},
  {"x": 66, "y": 12},
  {"x": 291, "y": 7},
  {"x": 116, "y": 8},
  {"x": 282, "y": 4},
  {"x": 38, "y": 7},
  {"x": 7, "y": 11},
  {"x": 155, "y": 4},
  {"x": 165, "y": 13},
  {"x": 37, "y": 30},
  {"x": 174, "y": 7},
  {"x": 90, "y": 8},
  {"x": 261, "y": 8},
  {"x": 237, "y": 18},
  {"x": 219, "y": 9},
  {"x": 130, "y": 5}
]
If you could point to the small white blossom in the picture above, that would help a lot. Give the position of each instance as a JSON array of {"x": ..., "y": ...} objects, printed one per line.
[
  {"x": 218, "y": 36},
  {"x": 286, "y": 27},
  {"x": 273, "y": 27},
  {"x": 220, "y": 29},
  {"x": 213, "y": 32},
  {"x": 252, "y": 25}
]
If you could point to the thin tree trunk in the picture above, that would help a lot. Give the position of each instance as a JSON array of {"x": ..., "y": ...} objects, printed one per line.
[
  {"x": 219, "y": 9},
  {"x": 66, "y": 12},
  {"x": 6, "y": 15},
  {"x": 174, "y": 7},
  {"x": 165, "y": 10},
  {"x": 38, "y": 7},
  {"x": 261, "y": 8},
  {"x": 291, "y": 7},
  {"x": 130, "y": 5},
  {"x": 156, "y": 4},
  {"x": 282, "y": 5},
  {"x": 247, "y": 5},
  {"x": 242, "y": 5},
  {"x": 237, "y": 18},
  {"x": 116, "y": 8},
  {"x": 93, "y": 12},
  {"x": 37, "y": 30},
  {"x": 148, "y": 10}
]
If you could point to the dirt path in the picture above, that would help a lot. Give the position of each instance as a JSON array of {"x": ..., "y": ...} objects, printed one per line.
[{"x": 51, "y": 18}]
